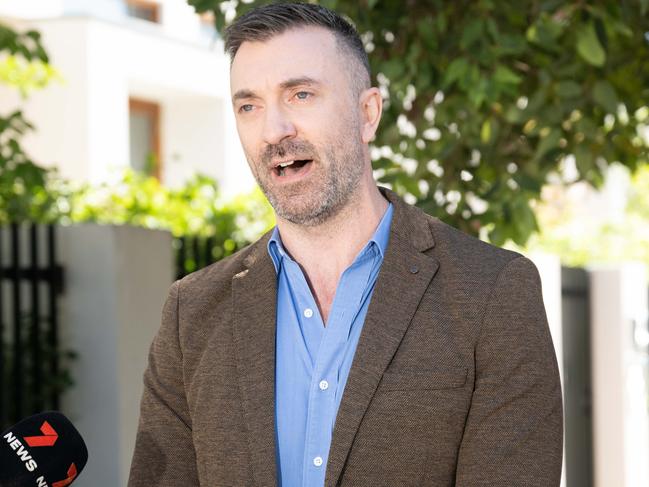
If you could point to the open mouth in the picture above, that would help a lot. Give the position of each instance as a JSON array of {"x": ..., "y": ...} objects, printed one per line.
[{"x": 289, "y": 168}]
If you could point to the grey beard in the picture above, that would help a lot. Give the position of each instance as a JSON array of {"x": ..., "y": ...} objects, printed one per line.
[
  {"x": 336, "y": 187},
  {"x": 331, "y": 204}
]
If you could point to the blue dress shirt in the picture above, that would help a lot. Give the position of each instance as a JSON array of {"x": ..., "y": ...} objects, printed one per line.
[{"x": 313, "y": 361}]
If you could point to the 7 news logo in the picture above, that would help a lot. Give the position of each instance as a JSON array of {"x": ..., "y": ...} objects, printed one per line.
[{"x": 48, "y": 438}]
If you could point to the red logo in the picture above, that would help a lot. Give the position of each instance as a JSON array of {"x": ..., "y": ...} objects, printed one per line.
[
  {"x": 48, "y": 439},
  {"x": 72, "y": 473}
]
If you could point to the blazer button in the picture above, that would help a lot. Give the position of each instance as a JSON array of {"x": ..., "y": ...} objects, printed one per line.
[{"x": 414, "y": 269}]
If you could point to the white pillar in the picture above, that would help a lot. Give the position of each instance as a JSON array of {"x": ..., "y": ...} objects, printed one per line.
[
  {"x": 619, "y": 366},
  {"x": 116, "y": 280},
  {"x": 549, "y": 267}
]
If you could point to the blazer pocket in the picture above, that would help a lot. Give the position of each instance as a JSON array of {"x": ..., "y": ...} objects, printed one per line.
[{"x": 415, "y": 379}]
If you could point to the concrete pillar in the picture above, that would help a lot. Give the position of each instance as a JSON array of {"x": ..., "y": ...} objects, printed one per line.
[
  {"x": 619, "y": 365},
  {"x": 549, "y": 267},
  {"x": 116, "y": 280}
]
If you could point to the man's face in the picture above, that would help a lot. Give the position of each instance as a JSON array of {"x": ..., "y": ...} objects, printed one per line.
[{"x": 298, "y": 119}]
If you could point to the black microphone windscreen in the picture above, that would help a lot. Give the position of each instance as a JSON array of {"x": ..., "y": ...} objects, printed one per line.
[{"x": 44, "y": 450}]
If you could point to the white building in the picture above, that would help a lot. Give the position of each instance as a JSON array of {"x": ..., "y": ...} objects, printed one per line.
[{"x": 143, "y": 80}]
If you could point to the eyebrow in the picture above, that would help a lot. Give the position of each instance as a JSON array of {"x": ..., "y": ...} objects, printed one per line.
[
  {"x": 300, "y": 81},
  {"x": 284, "y": 85},
  {"x": 244, "y": 94}
]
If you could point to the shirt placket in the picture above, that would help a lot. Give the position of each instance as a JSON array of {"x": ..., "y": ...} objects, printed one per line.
[
  {"x": 321, "y": 402},
  {"x": 325, "y": 386}
]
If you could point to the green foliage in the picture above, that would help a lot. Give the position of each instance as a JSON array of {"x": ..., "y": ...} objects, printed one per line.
[
  {"x": 485, "y": 98},
  {"x": 27, "y": 191},
  {"x": 26, "y": 45},
  {"x": 197, "y": 208},
  {"x": 23, "y": 193},
  {"x": 26, "y": 76}
]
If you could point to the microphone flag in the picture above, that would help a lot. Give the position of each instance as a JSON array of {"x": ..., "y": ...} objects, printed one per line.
[{"x": 43, "y": 450}]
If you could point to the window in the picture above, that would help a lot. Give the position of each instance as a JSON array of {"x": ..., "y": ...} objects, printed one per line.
[
  {"x": 144, "y": 136},
  {"x": 144, "y": 9}
]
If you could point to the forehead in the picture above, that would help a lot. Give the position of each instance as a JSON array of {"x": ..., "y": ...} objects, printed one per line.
[{"x": 299, "y": 52}]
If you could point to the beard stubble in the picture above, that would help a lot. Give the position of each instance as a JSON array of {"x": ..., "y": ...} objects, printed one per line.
[{"x": 326, "y": 191}]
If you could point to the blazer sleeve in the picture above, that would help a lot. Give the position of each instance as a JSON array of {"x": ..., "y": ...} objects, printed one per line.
[
  {"x": 514, "y": 430},
  {"x": 164, "y": 452}
]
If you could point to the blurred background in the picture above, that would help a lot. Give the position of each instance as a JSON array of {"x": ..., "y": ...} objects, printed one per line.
[{"x": 523, "y": 123}]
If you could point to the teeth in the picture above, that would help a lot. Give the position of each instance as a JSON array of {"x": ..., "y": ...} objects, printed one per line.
[{"x": 285, "y": 164}]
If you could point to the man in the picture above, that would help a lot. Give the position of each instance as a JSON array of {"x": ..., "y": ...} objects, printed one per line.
[{"x": 361, "y": 342}]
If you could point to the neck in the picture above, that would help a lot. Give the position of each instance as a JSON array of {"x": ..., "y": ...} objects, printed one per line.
[{"x": 329, "y": 248}]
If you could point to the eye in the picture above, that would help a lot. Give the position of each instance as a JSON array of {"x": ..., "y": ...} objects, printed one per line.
[
  {"x": 246, "y": 108},
  {"x": 302, "y": 95}
]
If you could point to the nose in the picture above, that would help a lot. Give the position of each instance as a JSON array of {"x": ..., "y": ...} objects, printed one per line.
[{"x": 277, "y": 126}]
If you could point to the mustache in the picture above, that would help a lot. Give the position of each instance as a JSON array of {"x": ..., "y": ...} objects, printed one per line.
[{"x": 301, "y": 148}]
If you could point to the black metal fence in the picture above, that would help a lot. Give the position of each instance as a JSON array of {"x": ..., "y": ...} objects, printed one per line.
[
  {"x": 577, "y": 383},
  {"x": 193, "y": 253},
  {"x": 30, "y": 284}
]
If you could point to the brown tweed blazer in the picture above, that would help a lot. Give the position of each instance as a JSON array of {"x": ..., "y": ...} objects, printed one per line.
[{"x": 454, "y": 381}]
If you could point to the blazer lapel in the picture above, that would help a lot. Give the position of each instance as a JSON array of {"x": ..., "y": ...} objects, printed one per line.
[
  {"x": 254, "y": 304},
  {"x": 405, "y": 274}
]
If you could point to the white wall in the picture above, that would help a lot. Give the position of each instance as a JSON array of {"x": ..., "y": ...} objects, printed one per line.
[
  {"x": 31, "y": 8},
  {"x": 193, "y": 140},
  {"x": 82, "y": 124},
  {"x": 178, "y": 18},
  {"x": 116, "y": 280}
]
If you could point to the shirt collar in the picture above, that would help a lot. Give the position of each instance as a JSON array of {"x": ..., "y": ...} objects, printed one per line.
[{"x": 379, "y": 240}]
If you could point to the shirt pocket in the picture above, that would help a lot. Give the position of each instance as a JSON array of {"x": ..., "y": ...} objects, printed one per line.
[{"x": 426, "y": 379}]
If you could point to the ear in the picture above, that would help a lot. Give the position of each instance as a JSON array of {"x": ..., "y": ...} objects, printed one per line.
[{"x": 371, "y": 105}]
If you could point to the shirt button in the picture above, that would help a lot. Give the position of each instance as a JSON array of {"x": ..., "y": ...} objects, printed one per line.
[
  {"x": 317, "y": 461},
  {"x": 324, "y": 385},
  {"x": 308, "y": 312}
]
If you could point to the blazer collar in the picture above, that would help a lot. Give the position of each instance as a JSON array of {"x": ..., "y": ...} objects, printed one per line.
[
  {"x": 409, "y": 222},
  {"x": 405, "y": 275}
]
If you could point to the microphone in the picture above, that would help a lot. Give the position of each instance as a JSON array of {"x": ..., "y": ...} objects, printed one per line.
[{"x": 44, "y": 450}]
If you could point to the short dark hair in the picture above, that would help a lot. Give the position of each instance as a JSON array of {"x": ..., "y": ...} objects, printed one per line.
[{"x": 267, "y": 21}]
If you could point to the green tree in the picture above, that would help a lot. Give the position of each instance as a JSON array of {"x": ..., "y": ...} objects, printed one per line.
[
  {"x": 25, "y": 192},
  {"x": 484, "y": 99}
]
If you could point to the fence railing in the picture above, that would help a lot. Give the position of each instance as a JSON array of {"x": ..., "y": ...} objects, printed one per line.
[
  {"x": 30, "y": 284},
  {"x": 195, "y": 252},
  {"x": 192, "y": 253}
]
